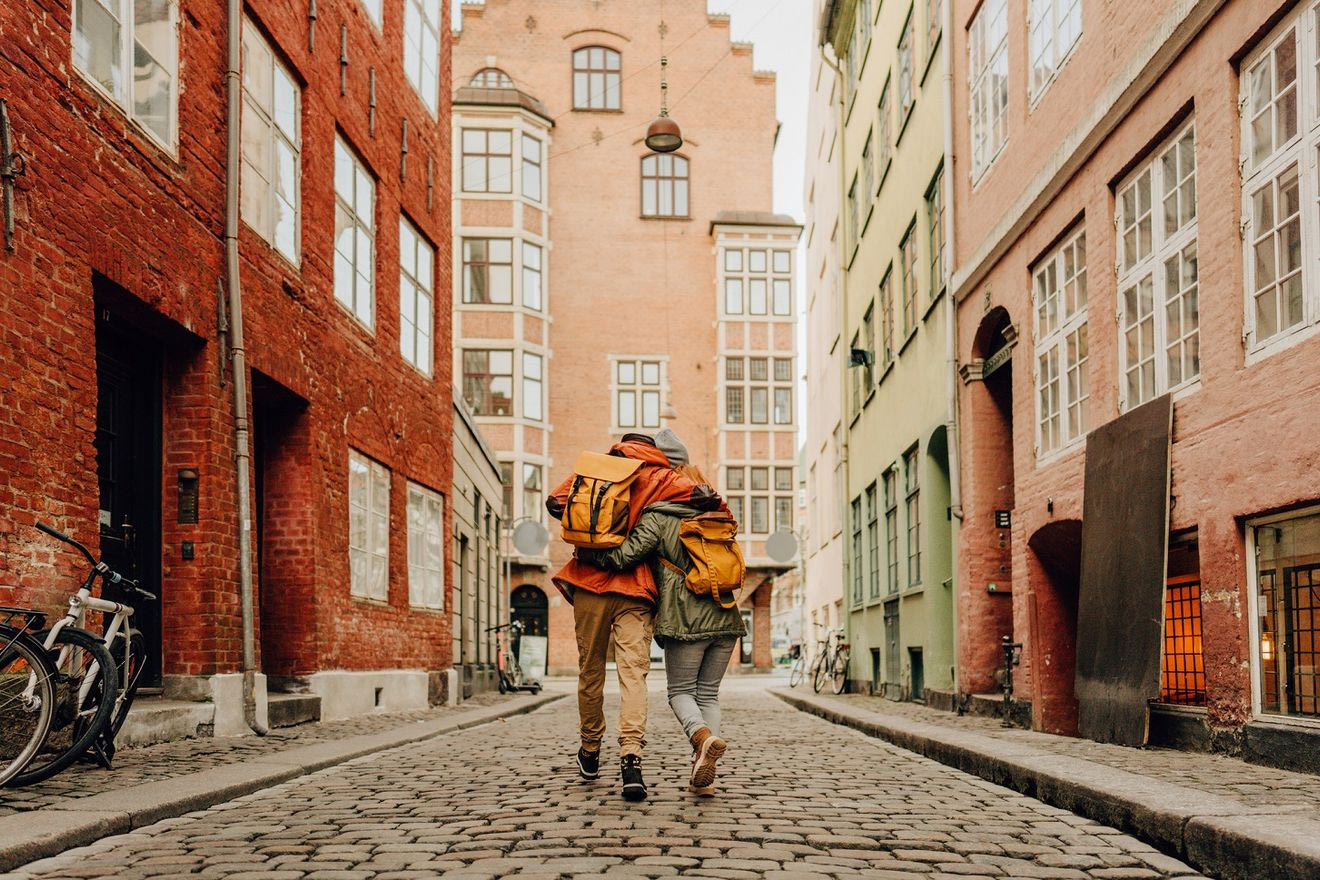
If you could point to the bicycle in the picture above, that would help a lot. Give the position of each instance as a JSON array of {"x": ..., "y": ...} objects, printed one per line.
[
  {"x": 27, "y": 690},
  {"x": 97, "y": 695},
  {"x": 818, "y": 657},
  {"x": 506, "y": 664},
  {"x": 832, "y": 663},
  {"x": 799, "y": 671}
]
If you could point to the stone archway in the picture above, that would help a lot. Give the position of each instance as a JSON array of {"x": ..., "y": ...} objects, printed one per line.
[{"x": 1055, "y": 576}]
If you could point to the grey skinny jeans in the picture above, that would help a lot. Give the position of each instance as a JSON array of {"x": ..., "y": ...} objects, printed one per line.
[{"x": 694, "y": 671}]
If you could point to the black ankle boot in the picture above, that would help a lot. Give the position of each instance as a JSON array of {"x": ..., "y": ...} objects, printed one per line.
[{"x": 634, "y": 787}]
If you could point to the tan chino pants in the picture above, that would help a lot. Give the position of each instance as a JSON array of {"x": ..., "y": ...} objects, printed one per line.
[{"x": 630, "y": 621}]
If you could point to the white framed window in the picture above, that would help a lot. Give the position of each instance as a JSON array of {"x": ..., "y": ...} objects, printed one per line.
[
  {"x": 533, "y": 492},
  {"x": 416, "y": 296},
  {"x": 373, "y": 8},
  {"x": 757, "y": 281},
  {"x": 355, "y": 235},
  {"x": 755, "y": 395},
  {"x": 1280, "y": 144},
  {"x": 867, "y": 194},
  {"x": 1054, "y": 26},
  {"x": 531, "y": 276},
  {"x": 368, "y": 527},
  {"x": 487, "y": 160},
  {"x": 426, "y": 548},
  {"x": 1158, "y": 284},
  {"x": 853, "y": 228},
  {"x": 665, "y": 185},
  {"x": 987, "y": 72},
  {"x": 421, "y": 49},
  {"x": 1062, "y": 382},
  {"x": 638, "y": 392},
  {"x": 884, "y": 132},
  {"x": 906, "y": 98},
  {"x": 531, "y": 168},
  {"x": 129, "y": 49},
  {"x": 596, "y": 78},
  {"x": 488, "y": 271},
  {"x": 271, "y": 145},
  {"x": 488, "y": 381},
  {"x": 491, "y": 78},
  {"x": 533, "y": 400}
]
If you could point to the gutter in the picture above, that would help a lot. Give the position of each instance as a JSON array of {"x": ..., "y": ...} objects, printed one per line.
[
  {"x": 950, "y": 303},
  {"x": 242, "y": 455}
]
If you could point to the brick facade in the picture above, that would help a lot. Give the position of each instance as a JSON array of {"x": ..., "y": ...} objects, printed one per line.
[{"x": 120, "y": 235}]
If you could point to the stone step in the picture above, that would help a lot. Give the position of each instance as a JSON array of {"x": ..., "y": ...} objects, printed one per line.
[
  {"x": 156, "y": 720},
  {"x": 289, "y": 710}
]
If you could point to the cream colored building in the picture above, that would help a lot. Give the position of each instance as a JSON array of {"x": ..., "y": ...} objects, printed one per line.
[
  {"x": 898, "y": 513},
  {"x": 601, "y": 288}
]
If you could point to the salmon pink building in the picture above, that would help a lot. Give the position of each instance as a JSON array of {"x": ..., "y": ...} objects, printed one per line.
[
  {"x": 600, "y": 288},
  {"x": 1138, "y": 303}
]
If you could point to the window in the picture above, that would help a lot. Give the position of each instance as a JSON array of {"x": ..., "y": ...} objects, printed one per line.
[
  {"x": 783, "y": 369},
  {"x": 373, "y": 10},
  {"x": 935, "y": 232},
  {"x": 488, "y": 381},
  {"x": 532, "y": 402},
  {"x": 355, "y": 235},
  {"x": 1183, "y": 671},
  {"x": 426, "y": 548},
  {"x": 783, "y": 406},
  {"x": 368, "y": 527},
  {"x": 664, "y": 185},
  {"x": 885, "y": 351},
  {"x": 637, "y": 393},
  {"x": 761, "y": 393},
  {"x": 421, "y": 49},
  {"x": 1279, "y": 168},
  {"x": 760, "y": 515},
  {"x": 760, "y": 405},
  {"x": 905, "y": 95},
  {"x": 783, "y": 479},
  {"x": 506, "y": 483},
  {"x": 416, "y": 297},
  {"x": 735, "y": 478},
  {"x": 1287, "y": 649},
  {"x": 868, "y": 370},
  {"x": 1159, "y": 310},
  {"x": 129, "y": 48},
  {"x": 271, "y": 147},
  {"x": 488, "y": 271},
  {"x": 853, "y": 228},
  {"x": 857, "y": 376},
  {"x": 912, "y": 488},
  {"x": 987, "y": 59},
  {"x": 858, "y": 577},
  {"x": 531, "y": 276},
  {"x": 733, "y": 405},
  {"x": 532, "y": 491},
  {"x": 596, "y": 78},
  {"x": 491, "y": 78},
  {"x": 907, "y": 250},
  {"x": 867, "y": 193},
  {"x": 859, "y": 43},
  {"x": 1054, "y": 26},
  {"x": 487, "y": 160},
  {"x": 765, "y": 276},
  {"x": 531, "y": 168},
  {"x": 760, "y": 479},
  {"x": 872, "y": 542},
  {"x": 884, "y": 153},
  {"x": 890, "y": 478},
  {"x": 1062, "y": 385},
  {"x": 934, "y": 22}
]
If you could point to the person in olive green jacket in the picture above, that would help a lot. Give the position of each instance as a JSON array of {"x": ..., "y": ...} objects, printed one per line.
[{"x": 698, "y": 636}]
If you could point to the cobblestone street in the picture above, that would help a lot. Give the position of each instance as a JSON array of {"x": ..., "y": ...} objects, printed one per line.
[{"x": 799, "y": 797}]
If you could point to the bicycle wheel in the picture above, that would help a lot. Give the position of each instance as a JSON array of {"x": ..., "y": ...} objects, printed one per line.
[
  {"x": 27, "y": 700},
  {"x": 820, "y": 671},
  {"x": 799, "y": 670},
  {"x": 85, "y": 689},
  {"x": 840, "y": 672},
  {"x": 130, "y": 677}
]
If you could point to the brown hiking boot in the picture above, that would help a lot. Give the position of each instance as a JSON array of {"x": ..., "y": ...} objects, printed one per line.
[{"x": 707, "y": 751}]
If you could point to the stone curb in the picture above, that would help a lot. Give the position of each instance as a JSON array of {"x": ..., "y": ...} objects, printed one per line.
[
  {"x": 39, "y": 834},
  {"x": 1219, "y": 836}
]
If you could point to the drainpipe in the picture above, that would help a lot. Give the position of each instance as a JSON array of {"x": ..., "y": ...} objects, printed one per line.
[
  {"x": 242, "y": 457},
  {"x": 950, "y": 322}
]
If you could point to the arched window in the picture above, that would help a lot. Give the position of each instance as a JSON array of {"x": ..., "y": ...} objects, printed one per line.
[
  {"x": 664, "y": 186},
  {"x": 491, "y": 78},
  {"x": 596, "y": 78}
]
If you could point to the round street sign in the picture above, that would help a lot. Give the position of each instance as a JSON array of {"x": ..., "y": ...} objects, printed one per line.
[
  {"x": 530, "y": 538},
  {"x": 782, "y": 545}
]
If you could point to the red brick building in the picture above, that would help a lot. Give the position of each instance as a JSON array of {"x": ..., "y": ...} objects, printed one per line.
[
  {"x": 1106, "y": 154},
  {"x": 114, "y": 373}
]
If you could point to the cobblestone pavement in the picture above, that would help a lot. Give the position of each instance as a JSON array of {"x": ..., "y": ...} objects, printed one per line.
[
  {"x": 800, "y": 798},
  {"x": 135, "y": 766},
  {"x": 1250, "y": 784}
]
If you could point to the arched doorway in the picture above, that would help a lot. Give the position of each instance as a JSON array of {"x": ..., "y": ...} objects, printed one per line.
[
  {"x": 528, "y": 606},
  {"x": 1055, "y": 575},
  {"x": 986, "y": 606}
]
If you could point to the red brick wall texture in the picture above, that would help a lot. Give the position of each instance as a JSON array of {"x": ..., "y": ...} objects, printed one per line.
[{"x": 103, "y": 206}]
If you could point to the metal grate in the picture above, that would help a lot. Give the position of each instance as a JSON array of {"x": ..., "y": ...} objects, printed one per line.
[
  {"x": 1184, "y": 661},
  {"x": 1301, "y": 593}
]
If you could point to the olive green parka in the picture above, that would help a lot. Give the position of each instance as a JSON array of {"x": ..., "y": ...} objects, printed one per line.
[{"x": 681, "y": 614}]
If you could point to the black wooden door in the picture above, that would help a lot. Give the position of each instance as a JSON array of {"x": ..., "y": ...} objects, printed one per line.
[{"x": 128, "y": 429}]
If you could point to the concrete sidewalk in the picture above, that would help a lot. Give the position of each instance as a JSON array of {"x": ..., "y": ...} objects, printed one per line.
[
  {"x": 1227, "y": 818},
  {"x": 164, "y": 782}
]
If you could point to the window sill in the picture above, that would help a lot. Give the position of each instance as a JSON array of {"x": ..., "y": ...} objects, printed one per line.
[
  {"x": 907, "y": 118},
  {"x": 1279, "y": 342},
  {"x": 361, "y": 325},
  {"x": 977, "y": 179},
  {"x": 610, "y": 110},
  {"x": 885, "y": 371},
  {"x": 487, "y": 195},
  {"x": 866, "y": 223},
  {"x": 931, "y": 55},
  {"x": 884, "y": 174},
  {"x": 1072, "y": 446},
  {"x": 870, "y": 396},
  {"x": 369, "y": 601},
  {"x": 934, "y": 301},
  {"x": 682, "y": 217},
  {"x": 913, "y": 590},
  {"x": 908, "y": 341},
  {"x": 171, "y": 150}
]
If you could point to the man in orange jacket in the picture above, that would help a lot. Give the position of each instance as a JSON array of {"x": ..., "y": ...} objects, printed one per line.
[{"x": 621, "y": 604}]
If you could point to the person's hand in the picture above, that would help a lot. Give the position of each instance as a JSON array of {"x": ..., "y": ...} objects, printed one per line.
[
  {"x": 704, "y": 498},
  {"x": 554, "y": 506}
]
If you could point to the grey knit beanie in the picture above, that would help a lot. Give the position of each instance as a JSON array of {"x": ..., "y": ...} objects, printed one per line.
[{"x": 668, "y": 443}]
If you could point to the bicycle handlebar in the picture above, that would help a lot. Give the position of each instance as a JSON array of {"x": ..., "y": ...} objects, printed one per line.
[
  {"x": 102, "y": 569},
  {"x": 60, "y": 536}
]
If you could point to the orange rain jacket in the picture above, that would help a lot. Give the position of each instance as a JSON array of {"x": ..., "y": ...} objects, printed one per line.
[{"x": 656, "y": 482}]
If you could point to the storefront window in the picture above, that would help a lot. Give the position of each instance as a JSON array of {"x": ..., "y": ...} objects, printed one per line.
[{"x": 1288, "y": 608}]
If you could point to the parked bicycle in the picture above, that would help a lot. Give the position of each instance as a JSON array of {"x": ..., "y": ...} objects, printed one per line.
[
  {"x": 27, "y": 690},
  {"x": 506, "y": 664},
  {"x": 831, "y": 662}
]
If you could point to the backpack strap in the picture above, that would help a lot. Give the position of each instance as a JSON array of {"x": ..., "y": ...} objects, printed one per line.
[{"x": 672, "y": 567}]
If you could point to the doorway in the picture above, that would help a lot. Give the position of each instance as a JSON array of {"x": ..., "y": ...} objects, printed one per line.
[
  {"x": 893, "y": 679},
  {"x": 1057, "y": 549},
  {"x": 530, "y": 608},
  {"x": 128, "y": 466}
]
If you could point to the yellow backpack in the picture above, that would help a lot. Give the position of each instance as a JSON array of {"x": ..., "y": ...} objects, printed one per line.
[
  {"x": 596, "y": 513},
  {"x": 711, "y": 541}
]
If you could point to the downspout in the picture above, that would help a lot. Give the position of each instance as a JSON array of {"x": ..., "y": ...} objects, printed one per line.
[{"x": 242, "y": 457}]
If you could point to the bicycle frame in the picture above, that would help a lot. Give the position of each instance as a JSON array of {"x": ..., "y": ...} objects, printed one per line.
[{"x": 79, "y": 602}]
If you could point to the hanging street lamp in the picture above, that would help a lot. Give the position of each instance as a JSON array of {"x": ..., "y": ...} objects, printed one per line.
[{"x": 662, "y": 135}]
